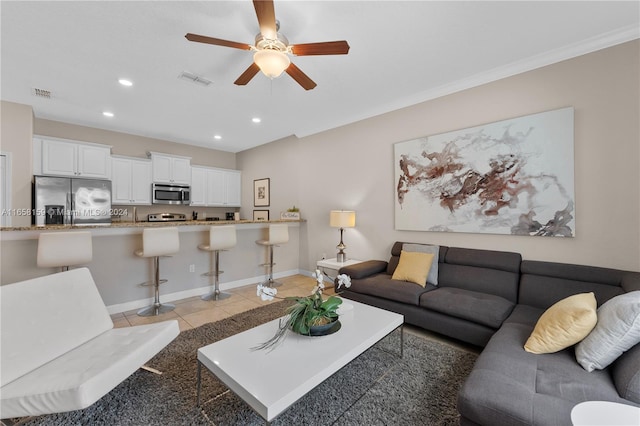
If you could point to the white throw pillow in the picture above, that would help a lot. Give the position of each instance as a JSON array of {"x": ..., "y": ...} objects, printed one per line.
[
  {"x": 432, "y": 278},
  {"x": 617, "y": 330}
]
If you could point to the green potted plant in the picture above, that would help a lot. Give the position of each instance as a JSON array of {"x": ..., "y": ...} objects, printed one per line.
[
  {"x": 292, "y": 213},
  {"x": 309, "y": 315}
]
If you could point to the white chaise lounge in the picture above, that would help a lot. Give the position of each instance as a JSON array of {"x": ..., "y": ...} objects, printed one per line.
[{"x": 59, "y": 351}]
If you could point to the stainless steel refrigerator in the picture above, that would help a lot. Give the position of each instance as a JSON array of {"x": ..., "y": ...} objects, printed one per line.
[{"x": 71, "y": 201}]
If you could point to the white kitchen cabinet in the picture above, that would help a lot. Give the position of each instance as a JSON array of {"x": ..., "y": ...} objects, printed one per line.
[
  {"x": 214, "y": 187},
  {"x": 171, "y": 169},
  {"x": 67, "y": 158},
  {"x": 198, "y": 186},
  {"x": 131, "y": 183},
  {"x": 234, "y": 187}
]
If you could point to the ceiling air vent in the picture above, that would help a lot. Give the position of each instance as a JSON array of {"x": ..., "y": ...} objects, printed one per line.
[
  {"x": 194, "y": 78},
  {"x": 41, "y": 93}
]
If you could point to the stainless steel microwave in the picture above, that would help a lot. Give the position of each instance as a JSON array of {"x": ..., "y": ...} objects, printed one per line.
[{"x": 171, "y": 194}]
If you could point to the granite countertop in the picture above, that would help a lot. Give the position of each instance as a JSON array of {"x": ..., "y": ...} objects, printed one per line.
[{"x": 115, "y": 225}]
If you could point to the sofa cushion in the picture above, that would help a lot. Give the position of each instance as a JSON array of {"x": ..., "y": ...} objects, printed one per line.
[
  {"x": 617, "y": 330},
  {"x": 481, "y": 308},
  {"x": 511, "y": 386},
  {"x": 74, "y": 314},
  {"x": 80, "y": 377},
  {"x": 564, "y": 324},
  {"x": 626, "y": 374},
  {"x": 485, "y": 271},
  {"x": 544, "y": 283},
  {"x": 432, "y": 278},
  {"x": 381, "y": 285},
  {"x": 413, "y": 267}
]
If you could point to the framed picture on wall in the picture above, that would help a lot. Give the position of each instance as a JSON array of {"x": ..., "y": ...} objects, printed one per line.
[
  {"x": 261, "y": 215},
  {"x": 261, "y": 192}
]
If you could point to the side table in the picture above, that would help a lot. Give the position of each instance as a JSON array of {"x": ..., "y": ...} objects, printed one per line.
[{"x": 330, "y": 267}]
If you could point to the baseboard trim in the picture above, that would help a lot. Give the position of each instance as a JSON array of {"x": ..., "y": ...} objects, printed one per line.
[{"x": 185, "y": 294}]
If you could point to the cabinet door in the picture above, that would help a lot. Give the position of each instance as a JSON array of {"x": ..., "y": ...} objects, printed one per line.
[
  {"x": 59, "y": 158},
  {"x": 141, "y": 182},
  {"x": 121, "y": 182},
  {"x": 216, "y": 187},
  {"x": 181, "y": 171},
  {"x": 94, "y": 162},
  {"x": 233, "y": 192},
  {"x": 161, "y": 168},
  {"x": 198, "y": 186}
]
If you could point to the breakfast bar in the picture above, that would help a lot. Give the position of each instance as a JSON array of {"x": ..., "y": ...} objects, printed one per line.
[{"x": 118, "y": 273}]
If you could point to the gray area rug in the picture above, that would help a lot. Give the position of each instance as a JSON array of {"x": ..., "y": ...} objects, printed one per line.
[{"x": 378, "y": 388}]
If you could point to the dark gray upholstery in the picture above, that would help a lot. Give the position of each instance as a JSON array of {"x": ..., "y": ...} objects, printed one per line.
[
  {"x": 544, "y": 283},
  {"x": 494, "y": 299},
  {"x": 481, "y": 308},
  {"x": 482, "y": 287},
  {"x": 509, "y": 386},
  {"x": 381, "y": 285},
  {"x": 626, "y": 374}
]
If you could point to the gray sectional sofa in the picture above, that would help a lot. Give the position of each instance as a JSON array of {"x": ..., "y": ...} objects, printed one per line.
[{"x": 493, "y": 299}]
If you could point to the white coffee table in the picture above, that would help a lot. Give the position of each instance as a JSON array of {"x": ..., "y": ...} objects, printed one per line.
[{"x": 271, "y": 381}]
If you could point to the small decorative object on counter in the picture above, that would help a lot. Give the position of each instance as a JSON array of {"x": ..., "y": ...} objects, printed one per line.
[
  {"x": 291, "y": 214},
  {"x": 310, "y": 315}
]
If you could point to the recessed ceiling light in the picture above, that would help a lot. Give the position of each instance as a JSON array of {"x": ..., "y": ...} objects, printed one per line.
[
  {"x": 107, "y": 114},
  {"x": 256, "y": 119},
  {"x": 217, "y": 137},
  {"x": 125, "y": 82}
]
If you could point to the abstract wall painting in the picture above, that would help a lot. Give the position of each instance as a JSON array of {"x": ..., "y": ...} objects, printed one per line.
[{"x": 509, "y": 177}]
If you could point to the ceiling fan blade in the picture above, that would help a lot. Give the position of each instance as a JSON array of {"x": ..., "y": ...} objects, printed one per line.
[
  {"x": 217, "y": 41},
  {"x": 266, "y": 18},
  {"x": 247, "y": 75},
  {"x": 302, "y": 79},
  {"x": 326, "y": 48}
]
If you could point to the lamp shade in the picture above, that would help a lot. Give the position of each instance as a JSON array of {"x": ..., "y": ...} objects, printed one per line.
[
  {"x": 271, "y": 62},
  {"x": 342, "y": 218}
]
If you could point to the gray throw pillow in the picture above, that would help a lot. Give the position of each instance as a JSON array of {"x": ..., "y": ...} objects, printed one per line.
[
  {"x": 617, "y": 330},
  {"x": 432, "y": 278}
]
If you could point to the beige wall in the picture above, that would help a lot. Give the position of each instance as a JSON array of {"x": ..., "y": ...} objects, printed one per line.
[
  {"x": 352, "y": 167},
  {"x": 16, "y": 133}
]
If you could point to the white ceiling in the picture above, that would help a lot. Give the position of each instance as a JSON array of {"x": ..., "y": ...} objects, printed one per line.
[{"x": 402, "y": 53}]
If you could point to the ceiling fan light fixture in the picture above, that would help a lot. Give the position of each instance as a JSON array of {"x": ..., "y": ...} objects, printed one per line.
[{"x": 271, "y": 62}]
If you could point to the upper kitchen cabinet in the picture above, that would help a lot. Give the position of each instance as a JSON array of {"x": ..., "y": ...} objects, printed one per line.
[
  {"x": 131, "y": 181},
  {"x": 214, "y": 187},
  {"x": 171, "y": 168},
  {"x": 57, "y": 157}
]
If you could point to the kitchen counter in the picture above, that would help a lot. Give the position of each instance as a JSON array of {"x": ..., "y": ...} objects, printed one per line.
[
  {"x": 121, "y": 228},
  {"x": 117, "y": 271}
]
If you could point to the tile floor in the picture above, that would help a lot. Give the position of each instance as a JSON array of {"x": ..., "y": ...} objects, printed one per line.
[{"x": 194, "y": 312}]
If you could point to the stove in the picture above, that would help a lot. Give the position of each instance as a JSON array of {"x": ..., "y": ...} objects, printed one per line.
[{"x": 166, "y": 217}]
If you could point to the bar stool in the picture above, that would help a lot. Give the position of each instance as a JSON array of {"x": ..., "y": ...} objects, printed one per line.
[
  {"x": 221, "y": 238},
  {"x": 158, "y": 242},
  {"x": 64, "y": 249},
  {"x": 278, "y": 234}
]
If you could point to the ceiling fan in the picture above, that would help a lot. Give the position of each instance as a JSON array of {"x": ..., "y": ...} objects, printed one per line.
[{"x": 271, "y": 49}]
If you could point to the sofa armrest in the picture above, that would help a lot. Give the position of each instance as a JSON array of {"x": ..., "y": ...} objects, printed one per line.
[{"x": 364, "y": 269}]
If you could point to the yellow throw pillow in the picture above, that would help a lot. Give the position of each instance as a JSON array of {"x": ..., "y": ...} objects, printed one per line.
[
  {"x": 565, "y": 323},
  {"x": 413, "y": 267}
]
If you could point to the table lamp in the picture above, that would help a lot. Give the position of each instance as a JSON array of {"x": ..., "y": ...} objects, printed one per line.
[{"x": 342, "y": 219}]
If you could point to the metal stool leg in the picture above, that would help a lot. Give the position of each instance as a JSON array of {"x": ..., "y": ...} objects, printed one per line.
[
  {"x": 157, "y": 308},
  {"x": 270, "y": 282},
  {"x": 216, "y": 294}
]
